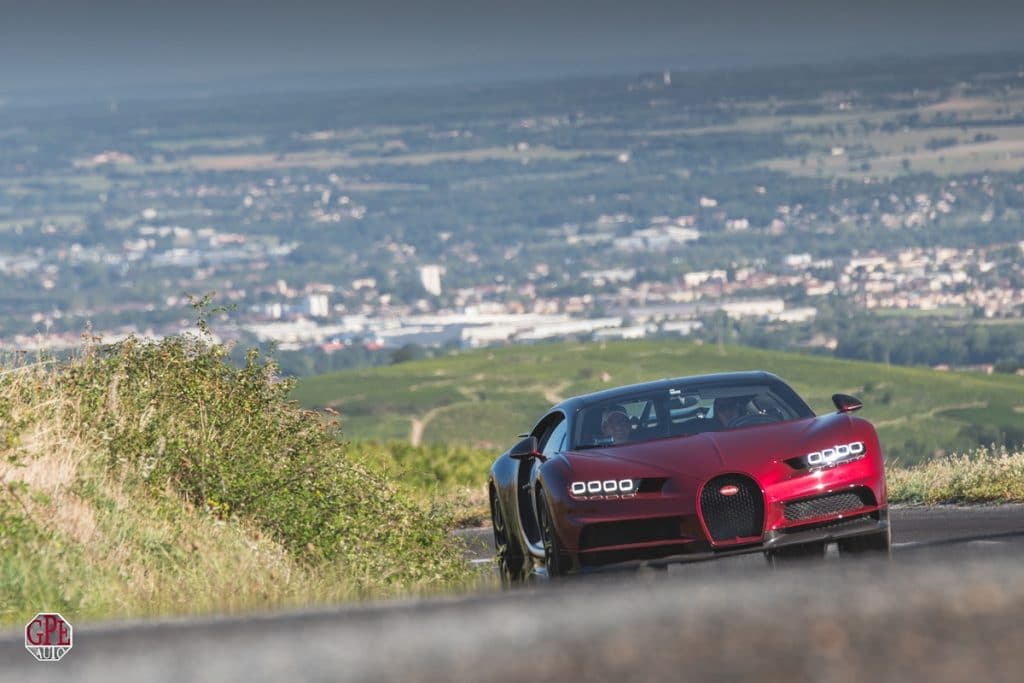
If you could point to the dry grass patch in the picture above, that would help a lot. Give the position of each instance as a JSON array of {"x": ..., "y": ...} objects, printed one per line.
[{"x": 985, "y": 475}]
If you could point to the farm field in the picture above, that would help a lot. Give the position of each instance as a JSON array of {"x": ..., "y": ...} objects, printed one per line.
[{"x": 983, "y": 137}]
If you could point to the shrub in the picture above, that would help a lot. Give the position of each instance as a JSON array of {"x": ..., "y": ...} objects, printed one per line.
[
  {"x": 428, "y": 468},
  {"x": 451, "y": 475},
  {"x": 177, "y": 413}
]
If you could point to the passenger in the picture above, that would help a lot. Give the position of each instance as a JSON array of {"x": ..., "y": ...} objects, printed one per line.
[{"x": 616, "y": 425}]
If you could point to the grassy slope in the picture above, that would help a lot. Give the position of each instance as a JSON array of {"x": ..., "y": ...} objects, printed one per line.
[
  {"x": 483, "y": 398},
  {"x": 154, "y": 479}
]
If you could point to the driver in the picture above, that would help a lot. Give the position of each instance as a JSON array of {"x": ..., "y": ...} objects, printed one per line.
[
  {"x": 728, "y": 408},
  {"x": 616, "y": 425}
]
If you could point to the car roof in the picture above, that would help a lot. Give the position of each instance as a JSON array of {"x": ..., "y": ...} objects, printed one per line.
[{"x": 576, "y": 402}]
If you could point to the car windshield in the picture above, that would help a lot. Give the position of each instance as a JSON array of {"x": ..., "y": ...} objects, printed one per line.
[{"x": 685, "y": 410}]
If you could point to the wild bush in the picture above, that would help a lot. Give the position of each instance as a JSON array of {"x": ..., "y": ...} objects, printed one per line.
[
  {"x": 429, "y": 468},
  {"x": 177, "y": 413}
]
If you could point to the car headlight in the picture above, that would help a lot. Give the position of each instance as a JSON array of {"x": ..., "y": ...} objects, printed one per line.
[
  {"x": 604, "y": 487},
  {"x": 835, "y": 455}
]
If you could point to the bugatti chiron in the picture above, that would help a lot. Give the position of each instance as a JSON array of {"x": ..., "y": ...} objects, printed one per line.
[{"x": 691, "y": 468}]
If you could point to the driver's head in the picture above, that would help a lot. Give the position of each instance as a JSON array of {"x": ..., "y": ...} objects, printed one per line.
[
  {"x": 728, "y": 408},
  {"x": 615, "y": 423}
]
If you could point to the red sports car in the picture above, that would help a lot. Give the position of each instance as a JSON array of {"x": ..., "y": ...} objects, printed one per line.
[{"x": 686, "y": 469}]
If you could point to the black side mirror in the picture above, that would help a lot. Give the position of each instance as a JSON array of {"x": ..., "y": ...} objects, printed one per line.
[
  {"x": 526, "y": 449},
  {"x": 845, "y": 403}
]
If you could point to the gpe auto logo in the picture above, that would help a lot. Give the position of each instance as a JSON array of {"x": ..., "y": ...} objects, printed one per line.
[{"x": 48, "y": 636}]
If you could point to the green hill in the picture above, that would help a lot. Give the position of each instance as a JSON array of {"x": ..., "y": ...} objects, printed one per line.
[{"x": 484, "y": 398}]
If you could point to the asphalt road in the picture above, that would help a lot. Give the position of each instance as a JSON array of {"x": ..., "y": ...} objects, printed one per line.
[{"x": 948, "y": 607}]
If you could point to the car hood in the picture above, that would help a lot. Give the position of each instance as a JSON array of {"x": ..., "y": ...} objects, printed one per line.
[{"x": 703, "y": 455}]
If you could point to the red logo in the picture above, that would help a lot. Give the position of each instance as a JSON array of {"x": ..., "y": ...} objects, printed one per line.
[
  {"x": 729, "y": 490},
  {"x": 48, "y": 636}
]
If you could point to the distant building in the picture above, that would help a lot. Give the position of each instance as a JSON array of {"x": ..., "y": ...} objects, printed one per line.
[
  {"x": 798, "y": 260},
  {"x": 364, "y": 283},
  {"x": 699, "y": 277},
  {"x": 317, "y": 306},
  {"x": 796, "y": 315},
  {"x": 630, "y": 332},
  {"x": 682, "y": 327},
  {"x": 753, "y": 308},
  {"x": 430, "y": 278},
  {"x": 567, "y": 328}
]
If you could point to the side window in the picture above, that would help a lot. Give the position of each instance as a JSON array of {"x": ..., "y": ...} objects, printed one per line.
[{"x": 555, "y": 441}]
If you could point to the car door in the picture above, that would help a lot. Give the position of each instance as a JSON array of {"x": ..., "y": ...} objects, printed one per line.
[{"x": 552, "y": 437}]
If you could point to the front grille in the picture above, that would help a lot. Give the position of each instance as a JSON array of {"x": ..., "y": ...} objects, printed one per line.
[
  {"x": 740, "y": 515},
  {"x": 631, "y": 531},
  {"x": 831, "y": 504},
  {"x": 832, "y": 524}
]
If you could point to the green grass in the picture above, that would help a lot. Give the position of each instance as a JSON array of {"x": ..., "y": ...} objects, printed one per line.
[{"x": 484, "y": 398}]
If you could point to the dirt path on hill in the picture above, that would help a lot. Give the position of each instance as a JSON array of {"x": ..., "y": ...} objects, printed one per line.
[
  {"x": 419, "y": 424},
  {"x": 931, "y": 413},
  {"x": 554, "y": 394}
]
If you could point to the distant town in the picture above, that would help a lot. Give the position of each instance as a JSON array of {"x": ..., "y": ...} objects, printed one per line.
[
  {"x": 332, "y": 316},
  {"x": 616, "y": 209}
]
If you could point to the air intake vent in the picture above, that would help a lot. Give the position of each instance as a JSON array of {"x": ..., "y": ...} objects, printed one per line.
[
  {"x": 831, "y": 504},
  {"x": 630, "y": 531},
  {"x": 732, "y": 507}
]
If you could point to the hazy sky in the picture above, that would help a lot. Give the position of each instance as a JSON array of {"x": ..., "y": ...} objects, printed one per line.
[{"x": 104, "y": 43}]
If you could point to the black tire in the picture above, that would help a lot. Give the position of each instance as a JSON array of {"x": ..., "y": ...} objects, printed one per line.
[
  {"x": 556, "y": 562},
  {"x": 507, "y": 554},
  {"x": 796, "y": 554},
  {"x": 876, "y": 545}
]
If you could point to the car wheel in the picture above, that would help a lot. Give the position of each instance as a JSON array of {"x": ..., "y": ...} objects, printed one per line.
[
  {"x": 796, "y": 554},
  {"x": 870, "y": 545},
  {"x": 555, "y": 561},
  {"x": 506, "y": 551}
]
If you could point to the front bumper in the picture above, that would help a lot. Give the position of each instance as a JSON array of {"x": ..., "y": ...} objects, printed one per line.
[
  {"x": 871, "y": 523},
  {"x": 858, "y": 488},
  {"x": 862, "y": 524}
]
